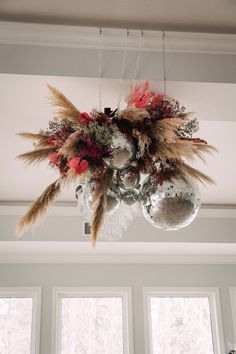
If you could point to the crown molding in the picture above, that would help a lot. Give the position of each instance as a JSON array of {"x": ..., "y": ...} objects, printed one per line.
[
  {"x": 71, "y": 209},
  {"x": 12, "y": 258},
  {"x": 118, "y": 253},
  {"x": 88, "y": 37}
]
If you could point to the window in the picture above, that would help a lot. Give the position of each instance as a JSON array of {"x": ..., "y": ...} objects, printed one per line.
[
  {"x": 183, "y": 321},
  {"x": 19, "y": 320},
  {"x": 92, "y": 320}
]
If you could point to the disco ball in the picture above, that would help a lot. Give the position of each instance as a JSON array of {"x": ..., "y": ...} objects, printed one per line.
[
  {"x": 130, "y": 197},
  {"x": 113, "y": 196},
  {"x": 128, "y": 178},
  {"x": 123, "y": 151},
  {"x": 169, "y": 206}
]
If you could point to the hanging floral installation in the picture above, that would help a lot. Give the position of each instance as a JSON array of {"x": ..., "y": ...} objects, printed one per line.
[{"x": 129, "y": 156}]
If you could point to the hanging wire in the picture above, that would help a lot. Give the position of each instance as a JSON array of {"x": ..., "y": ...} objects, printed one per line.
[
  {"x": 137, "y": 65},
  {"x": 123, "y": 69},
  {"x": 100, "y": 71},
  {"x": 164, "y": 60}
]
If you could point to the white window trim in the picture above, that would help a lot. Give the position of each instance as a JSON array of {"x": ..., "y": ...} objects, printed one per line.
[
  {"x": 215, "y": 311},
  {"x": 233, "y": 306},
  {"x": 36, "y": 294},
  {"x": 124, "y": 292}
]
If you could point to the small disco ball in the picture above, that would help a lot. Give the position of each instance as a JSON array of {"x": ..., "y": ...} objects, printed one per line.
[
  {"x": 123, "y": 151},
  {"x": 113, "y": 196},
  {"x": 170, "y": 206},
  {"x": 130, "y": 197},
  {"x": 128, "y": 178}
]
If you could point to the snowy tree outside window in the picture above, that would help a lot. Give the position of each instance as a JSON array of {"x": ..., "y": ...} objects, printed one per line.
[
  {"x": 181, "y": 325},
  {"x": 15, "y": 325},
  {"x": 91, "y": 325}
]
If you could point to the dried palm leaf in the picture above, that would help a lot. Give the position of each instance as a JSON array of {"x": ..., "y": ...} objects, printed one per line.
[
  {"x": 39, "y": 207},
  {"x": 37, "y": 155},
  {"x": 66, "y": 109}
]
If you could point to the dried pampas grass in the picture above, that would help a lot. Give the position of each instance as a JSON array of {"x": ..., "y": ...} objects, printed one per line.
[
  {"x": 143, "y": 141},
  {"x": 180, "y": 148},
  {"x": 98, "y": 217},
  {"x": 37, "y": 155},
  {"x": 69, "y": 147},
  {"x": 133, "y": 114},
  {"x": 185, "y": 171},
  {"x": 166, "y": 129},
  {"x": 66, "y": 110},
  {"x": 100, "y": 204},
  {"x": 39, "y": 207},
  {"x": 40, "y": 139}
]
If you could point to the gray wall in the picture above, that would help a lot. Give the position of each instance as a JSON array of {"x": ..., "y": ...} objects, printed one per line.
[{"x": 135, "y": 276}]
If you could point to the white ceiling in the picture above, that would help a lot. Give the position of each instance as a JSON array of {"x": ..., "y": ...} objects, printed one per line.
[
  {"x": 24, "y": 107},
  {"x": 184, "y": 15}
]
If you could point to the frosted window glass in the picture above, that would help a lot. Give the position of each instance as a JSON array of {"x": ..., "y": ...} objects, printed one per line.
[
  {"x": 91, "y": 326},
  {"x": 15, "y": 325},
  {"x": 181, "y": 326}
]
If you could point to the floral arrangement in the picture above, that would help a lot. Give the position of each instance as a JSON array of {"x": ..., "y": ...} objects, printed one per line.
[{"x": 107, "y": 152}]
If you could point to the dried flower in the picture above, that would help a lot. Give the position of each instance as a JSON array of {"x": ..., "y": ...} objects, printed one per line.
[
  {"x": 85, "y": 118},
  {"x": 53, "y": 158},
  {"x": 79, "y": 166}
]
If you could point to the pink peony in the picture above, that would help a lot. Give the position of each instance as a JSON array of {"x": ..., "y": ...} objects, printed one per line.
[
  {"x": 85, "y": 118},
  {"x": 78, "y": 165}
]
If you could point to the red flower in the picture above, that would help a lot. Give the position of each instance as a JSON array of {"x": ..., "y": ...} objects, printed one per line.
[
  {"x": 85, "y": 118},
  {"x": 78, "y": 165}
]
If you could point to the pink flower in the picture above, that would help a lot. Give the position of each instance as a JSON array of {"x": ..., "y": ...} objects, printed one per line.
[
  {"x": 142, "y": 97},
  {"x": 78, "y": 165},
  {"x": 85, "y": 118}
]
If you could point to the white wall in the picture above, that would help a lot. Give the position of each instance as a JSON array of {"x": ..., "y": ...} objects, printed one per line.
[{"x": 135, "y": 276}]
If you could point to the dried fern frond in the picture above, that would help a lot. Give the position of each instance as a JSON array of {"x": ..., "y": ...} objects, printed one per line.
[
  {"x": 181, "y": 148},
  {"x": 37, "y": 155},
  {"x": 186, "y": 171},
  {"x": 66, "y": 109},
  {"x": 165, "y": 129},
  {"x": 39, "y": 207}
]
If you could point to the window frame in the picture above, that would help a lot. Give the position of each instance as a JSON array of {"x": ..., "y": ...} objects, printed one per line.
[
  {"x": 215, "y": 311},
  {"x": 232, "y": 291},
  {"x": 124, "y": 292},
  {"x": 36, "y": 294}
]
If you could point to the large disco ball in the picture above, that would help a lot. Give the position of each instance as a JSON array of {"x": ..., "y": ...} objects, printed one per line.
[
  {"x": 128, "y": 178},
  {"x": 113, "y": 196},
  {"x": 123, "y": 151},
  {"x": 169, "y": 206}
]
